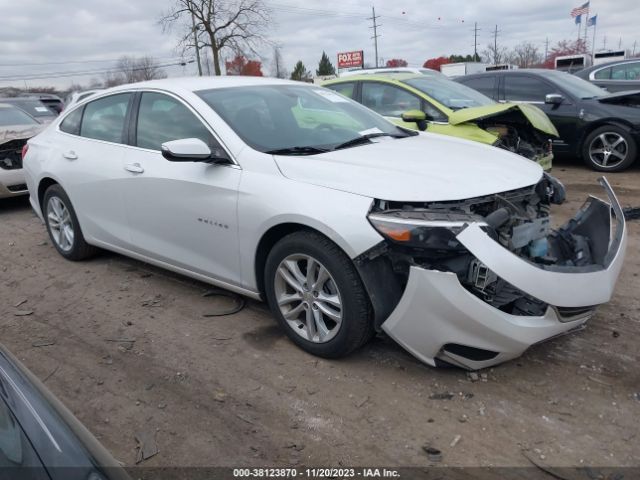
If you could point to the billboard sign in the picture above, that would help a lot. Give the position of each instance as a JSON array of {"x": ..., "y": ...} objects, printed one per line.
[{"x": 351, "y": 59}]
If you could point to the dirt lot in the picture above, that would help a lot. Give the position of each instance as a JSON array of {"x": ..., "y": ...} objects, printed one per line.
[{"x": 234, "y": 391}]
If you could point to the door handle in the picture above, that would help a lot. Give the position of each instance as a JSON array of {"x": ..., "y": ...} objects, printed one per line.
[
  {"x": 70, "y": 155},
  {"x": 134, "y": 168}
]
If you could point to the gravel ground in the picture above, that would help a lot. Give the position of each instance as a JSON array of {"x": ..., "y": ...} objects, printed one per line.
[{"x": 127, "y": 348}]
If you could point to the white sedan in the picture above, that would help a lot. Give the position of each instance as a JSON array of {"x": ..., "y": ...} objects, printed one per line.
[{"x": 344, "y": 223}]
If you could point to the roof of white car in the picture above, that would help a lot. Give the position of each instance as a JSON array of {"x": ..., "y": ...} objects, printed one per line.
[{"x": 205, "y": 83}]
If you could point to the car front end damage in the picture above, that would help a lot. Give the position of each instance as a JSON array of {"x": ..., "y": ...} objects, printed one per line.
[{"x": 476, "y": 282}]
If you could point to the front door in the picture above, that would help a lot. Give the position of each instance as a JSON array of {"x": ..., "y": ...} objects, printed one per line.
[{"x": 180, "y": 213}]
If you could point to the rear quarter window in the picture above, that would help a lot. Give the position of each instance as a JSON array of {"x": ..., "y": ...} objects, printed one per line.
[{"x": 71, "y": 123}]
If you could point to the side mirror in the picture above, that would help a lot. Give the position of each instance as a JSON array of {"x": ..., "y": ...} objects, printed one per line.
[
  {"x": 553, "y": 99},
  {"x": 416, "y": 116},
  {"x": 186, "y": 150}
]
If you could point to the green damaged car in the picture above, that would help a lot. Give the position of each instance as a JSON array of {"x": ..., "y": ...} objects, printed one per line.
[{"x": 434, "y": 103}]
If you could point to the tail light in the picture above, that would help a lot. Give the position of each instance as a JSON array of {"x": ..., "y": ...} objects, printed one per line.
[{"x": 25, "y": 149}]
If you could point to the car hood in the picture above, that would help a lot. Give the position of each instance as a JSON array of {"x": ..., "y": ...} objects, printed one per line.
[
  {"x": 536, "y": 117},
  {"x": 427, "y": 167},
  {"x": 19, "y": 132},
  {"x": 626, "y": 98}
]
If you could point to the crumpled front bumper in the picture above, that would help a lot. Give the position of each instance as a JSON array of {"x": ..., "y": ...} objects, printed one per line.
[{"x": 437, "y": 318}]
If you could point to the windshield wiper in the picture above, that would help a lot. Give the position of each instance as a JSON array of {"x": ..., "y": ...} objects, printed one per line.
[
  {"x": 366, "y": 139},
  {"x": 308, "y": 150}
]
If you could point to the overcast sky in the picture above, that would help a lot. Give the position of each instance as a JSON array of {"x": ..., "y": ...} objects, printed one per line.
[{"x": 49, "y": 35}]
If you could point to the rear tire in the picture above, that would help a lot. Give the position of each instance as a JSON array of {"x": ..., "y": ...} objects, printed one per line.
[
  {"x": 315, "y": 292},
  {"x": 609, "y": 149},
  {"x": 63, "y": 227}
]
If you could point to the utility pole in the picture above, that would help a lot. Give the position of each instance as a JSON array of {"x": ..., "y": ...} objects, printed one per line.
[
  {"x": 495, "y": 46},
  {"x": 475, "y": 41},
  {"x": 604, "y": 43},
  {"x": 620, "y": 43},
  {"x": 546, "y": 49},
  {"x": 195, "y": 43},
  {"x": 634, "y": 48},
  {"x": 375, "y": 31}
]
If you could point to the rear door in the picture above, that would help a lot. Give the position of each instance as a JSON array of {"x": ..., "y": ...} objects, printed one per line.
[
  {"x": 89, "y": 150},
  {"x": 180, "y": 213},
  {"x": 525, "y": 88}
]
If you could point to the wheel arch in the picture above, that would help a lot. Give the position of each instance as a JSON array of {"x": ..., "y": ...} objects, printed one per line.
[
  {"x": 601, "y": 122},
  {"x": 272, "y": 236},
  {"x": 43, "y": 185}
]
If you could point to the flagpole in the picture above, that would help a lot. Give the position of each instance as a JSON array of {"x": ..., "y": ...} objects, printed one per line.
[
  {"x": 586, "y": 27},
  {"x": 593, "y": 47},
  {"x": 579, "y": 27}
]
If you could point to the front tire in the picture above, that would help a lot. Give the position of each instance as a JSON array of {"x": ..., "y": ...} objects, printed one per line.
[
  {"x": 315, "y": 292},
  {"x": 609, "y": 149},
  {"x": 63, "y": 227}
]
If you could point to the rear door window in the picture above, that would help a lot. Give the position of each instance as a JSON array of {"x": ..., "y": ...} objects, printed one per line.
[
  {"x": 626, "y": 71},
  {"x": 105, "y": 118}
]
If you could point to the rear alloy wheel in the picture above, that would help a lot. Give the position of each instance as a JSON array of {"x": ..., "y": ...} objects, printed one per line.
[
  {"x": 63, "y": 227},
  {"x": 315, "y": 292},
  {"x": 609, "y": 149}
]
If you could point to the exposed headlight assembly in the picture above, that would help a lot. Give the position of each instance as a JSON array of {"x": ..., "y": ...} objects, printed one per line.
[{"x": 429, "y": 229}]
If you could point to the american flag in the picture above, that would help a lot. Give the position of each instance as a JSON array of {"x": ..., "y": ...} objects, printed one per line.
[{"x": 581, "y": 10}]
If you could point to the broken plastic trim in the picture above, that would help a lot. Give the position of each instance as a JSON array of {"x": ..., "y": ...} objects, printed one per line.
[{"x": 574, "y": 286}]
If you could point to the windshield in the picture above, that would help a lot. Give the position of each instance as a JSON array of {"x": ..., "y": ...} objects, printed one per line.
[
  {"x": 13, "y": 116},
  {"x": 449, "y": 93},
  {"x": 577, "y": 86},
  {"x": 279, "y": 117}
]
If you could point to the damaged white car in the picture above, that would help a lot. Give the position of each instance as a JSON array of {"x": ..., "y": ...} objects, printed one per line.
[
  {"x": 345, "y": 223},
  {"x": 16, "y": 127}
]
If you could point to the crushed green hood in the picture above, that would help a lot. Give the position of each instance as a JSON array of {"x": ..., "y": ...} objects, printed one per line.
[{"x": 533, "y": 114}]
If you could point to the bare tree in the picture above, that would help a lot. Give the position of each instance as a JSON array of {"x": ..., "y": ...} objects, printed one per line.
[
  {"x": 525, "y": 55},
  {"x": 148, "y": 69},
  {"x": 127, "y": 68},
  {"x": 495, "y": 54},
  {"x": 219, "y": 25}
]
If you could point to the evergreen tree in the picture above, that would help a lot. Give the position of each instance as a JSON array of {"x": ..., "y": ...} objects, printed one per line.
[
  {"x": 300, "y": 72},
  {"x": 325, "y": 66}
]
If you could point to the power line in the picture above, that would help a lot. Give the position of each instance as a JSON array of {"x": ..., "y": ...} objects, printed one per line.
[
  {"x": 375, "y": 31},
  {"x": 72, "y": 62},
  {"x": 42, "y": 76}
]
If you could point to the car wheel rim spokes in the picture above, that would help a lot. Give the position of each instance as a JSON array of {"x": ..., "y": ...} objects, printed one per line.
[
  {"x": 608, "y": 149},
  {"x": 60, "y": 224},
  {"x": 308, "y": 298}
]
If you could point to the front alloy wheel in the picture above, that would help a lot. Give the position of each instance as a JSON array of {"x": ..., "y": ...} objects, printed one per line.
[
  {"x": 308, "y": 298},
  {"x": 315, "y": 292}
]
